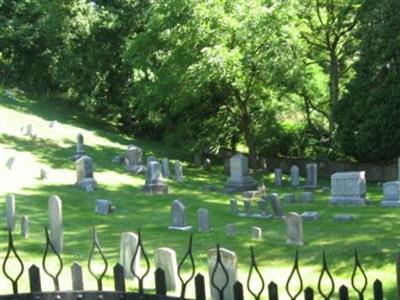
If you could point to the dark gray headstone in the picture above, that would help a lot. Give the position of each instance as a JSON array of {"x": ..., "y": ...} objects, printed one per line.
[
  {"x": 178, "y": 217},
  {"x": 104, "y": 207},
  {"x": 204, "y": 220}
]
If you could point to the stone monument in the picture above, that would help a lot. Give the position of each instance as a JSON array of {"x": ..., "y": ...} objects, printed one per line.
[
  {"x": 348, "y": 188},
  {"x": 239, "y": 179},
  {"x": 84, "y": 173},
  {"x": 155, "y": 183},
  {"x": 391, "y": 194}
]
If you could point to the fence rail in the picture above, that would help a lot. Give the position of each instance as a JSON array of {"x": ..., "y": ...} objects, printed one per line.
[{"x": 294, "y": 287}]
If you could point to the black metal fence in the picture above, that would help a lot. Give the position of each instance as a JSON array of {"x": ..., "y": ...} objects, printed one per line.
[{"x": 294, "y": 287}]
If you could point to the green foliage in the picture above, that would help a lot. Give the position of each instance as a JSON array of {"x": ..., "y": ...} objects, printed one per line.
[{"x": 368, "y": 115}]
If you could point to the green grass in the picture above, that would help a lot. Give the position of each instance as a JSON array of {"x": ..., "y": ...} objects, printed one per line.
[{"x": 373, "y": 232}]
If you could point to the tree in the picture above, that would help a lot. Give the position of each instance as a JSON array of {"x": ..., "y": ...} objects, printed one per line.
[{"x": 368, "y": 115}]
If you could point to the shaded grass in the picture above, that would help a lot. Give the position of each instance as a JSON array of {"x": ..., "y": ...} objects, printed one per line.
[{"x": 373, "y": 232}]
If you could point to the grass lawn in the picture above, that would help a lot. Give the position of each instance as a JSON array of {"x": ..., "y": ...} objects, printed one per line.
[{"x": 373, "y": 232}]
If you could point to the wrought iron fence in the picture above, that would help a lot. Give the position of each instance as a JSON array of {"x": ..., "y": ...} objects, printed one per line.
[{"x": 293, "y": 290}]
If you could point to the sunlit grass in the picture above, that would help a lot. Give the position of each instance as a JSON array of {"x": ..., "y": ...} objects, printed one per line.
[{"x": 373, "y": 232}]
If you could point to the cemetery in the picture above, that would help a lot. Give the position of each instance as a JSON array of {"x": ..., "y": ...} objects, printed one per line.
[
  {"x": 200, "y": 150},
  {"x": 84, "y": 188}
]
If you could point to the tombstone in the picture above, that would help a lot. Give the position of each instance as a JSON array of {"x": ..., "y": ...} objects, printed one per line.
[
  {"x": 239, "y": 179},
  {"x": 55, "y": 223},
  {"x": 348, "y": 188},
  {"x": 229, "y": 260},
  {"x": 43, "y": 175},
  {"x": 165, "y": 259},
  {"x": 133, "y": 160},
  {"x": 344, "y": 218},
  {"x": 155, "y": 183},
  {"x": 278, "y": 177},
  {"x": 256, "y": 233},
  {"x": 295, "y": 176},
  {"x": 53, "y": 124},
  {"x": 80, "y": 147},
  {"x": 391, "y": 194},
  {"x": 207, "y": 164},
  {"x": 276, "y": 205},
  {"x": 311, "y": 176},
  {"x": 310, "y": 215},
  {"x": 25, "y": 227},
  {"x": 84, "y": 173},
  {"x": 247, "y": 207},
  {"x": 28, "y": 130},
  {"x": 294, "y": 229},
  {"x": 10, "y": 212},
  {"x": 178, "y": 217},
  {"x": 307, "y": 197},
  {"x": 234, "y": 206},
  {"x": 179, "y": 172},
  {"x": 230, "y": 230},
  {"x": 117, "y": 159},
  {"x": 204, "y": 220},
  {"x": 289, "y": 198},
  {"x": 10, "y": 163},
  {"x": 104, "y": 207},
  {"x": 128, "y": 244},
  {"x": 150, "y": 158},
  {"x": 262, "y": 206},
  {"x": 165, "y": 167}
]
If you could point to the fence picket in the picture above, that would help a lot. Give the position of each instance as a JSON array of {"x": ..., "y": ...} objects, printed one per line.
[
  {"x": 309, "y": 294},
  {"x": 161, "y": 285},
  {"x": 238, "y": 291},
  {"x": 343, "y": 293},
  {"x": 378, "y": 290},
  {"x": 273, "y": 291},
  {"x": 34, "y": 279},
  {"x": 119, "y": 278},
  {"x": 77, "y": 279},
  {"x": 200, "y": 287}
]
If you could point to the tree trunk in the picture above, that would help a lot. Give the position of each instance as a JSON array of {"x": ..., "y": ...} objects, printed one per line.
[
  {"x": 249, "y": 137},
  {"x": 334, "y": 73}
]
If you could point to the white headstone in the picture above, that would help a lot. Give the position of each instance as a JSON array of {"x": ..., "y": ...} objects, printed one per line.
[
  {"x": 56, "y": 223},
  {"x": 178, "y": 217},
  {"x": 25, "y": 227},
  {"x": 129, "y": 242},
  {"x": 155, "y": 183},
  {"x": 10, "y": 212},
  {"x": 295, "y": 176},
  {"x": 179, "y": 172},
  {"x": 348, "y": 188},
  {"x": 239, "y": 179},
  {"x": 256, "y": 233},
  {"x": 391, "y": 194},
  {"x": 229, "y": 260},
  {"x": 294, "y": 229},
  {"x": 165, "y": 259},
  {"x": 84, "y": 173},
  {"x": 165, "y": 167}
]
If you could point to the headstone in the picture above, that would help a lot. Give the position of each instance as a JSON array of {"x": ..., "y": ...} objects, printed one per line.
[
  {"x": 128, "y": 244},
  {"x": 84, "y": 173},
  {"x": 10, "y": 212},
  {"x": 326, "y": 189},
  {"x": 28, "y": 130},
  {"x": 391, "y": 194},
  {"x": 294, "y": 229},
  {"x": 204, "y": 220},
  {"x": 307, "y": 197},
  {"x": 133, "y": 160},
  {"x": 43, "y": 174},
  {"x": 229, "y": 260},
  {"x": 239, "y": 179},
  {"x": 104, "y": 207},
  {"x": 311, "y": 176},
  {"x": 230, "y": 230},
  {"x": 289, "y": 198},
  {"x": 262, "y": 206},
  {"x": 53, "y": 124},
  {"x": 278, "y": 177},
  {"x": 276, "y": 205},
  {"x": 207, "y": 164},
  {"x": 348, "y": 188},
  {"x": 165, "y": 167},
  {"x": 247, "y": 207},
  {"x": 310, "y": 215},
  {"x": 10, "y": 163},
  {"x": 295, "y": 176},
  {"x": 344, "y": 217},
  {"x": 25, "y": 227},
  {"x": 55, "y": 223},
  {"x": 117, "y": 159},
  {"x": 150, "y": 158},
  {"x": 178, "y": 216},
  {"x": 179, "y": 172},
  {"x": 234, "y": 206},
  {"x": 155, "y": 183},
  {"x": 256, "y": 233},
  {"x": 80, "y": 147},
  {"x": 165, "y": 259}
]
